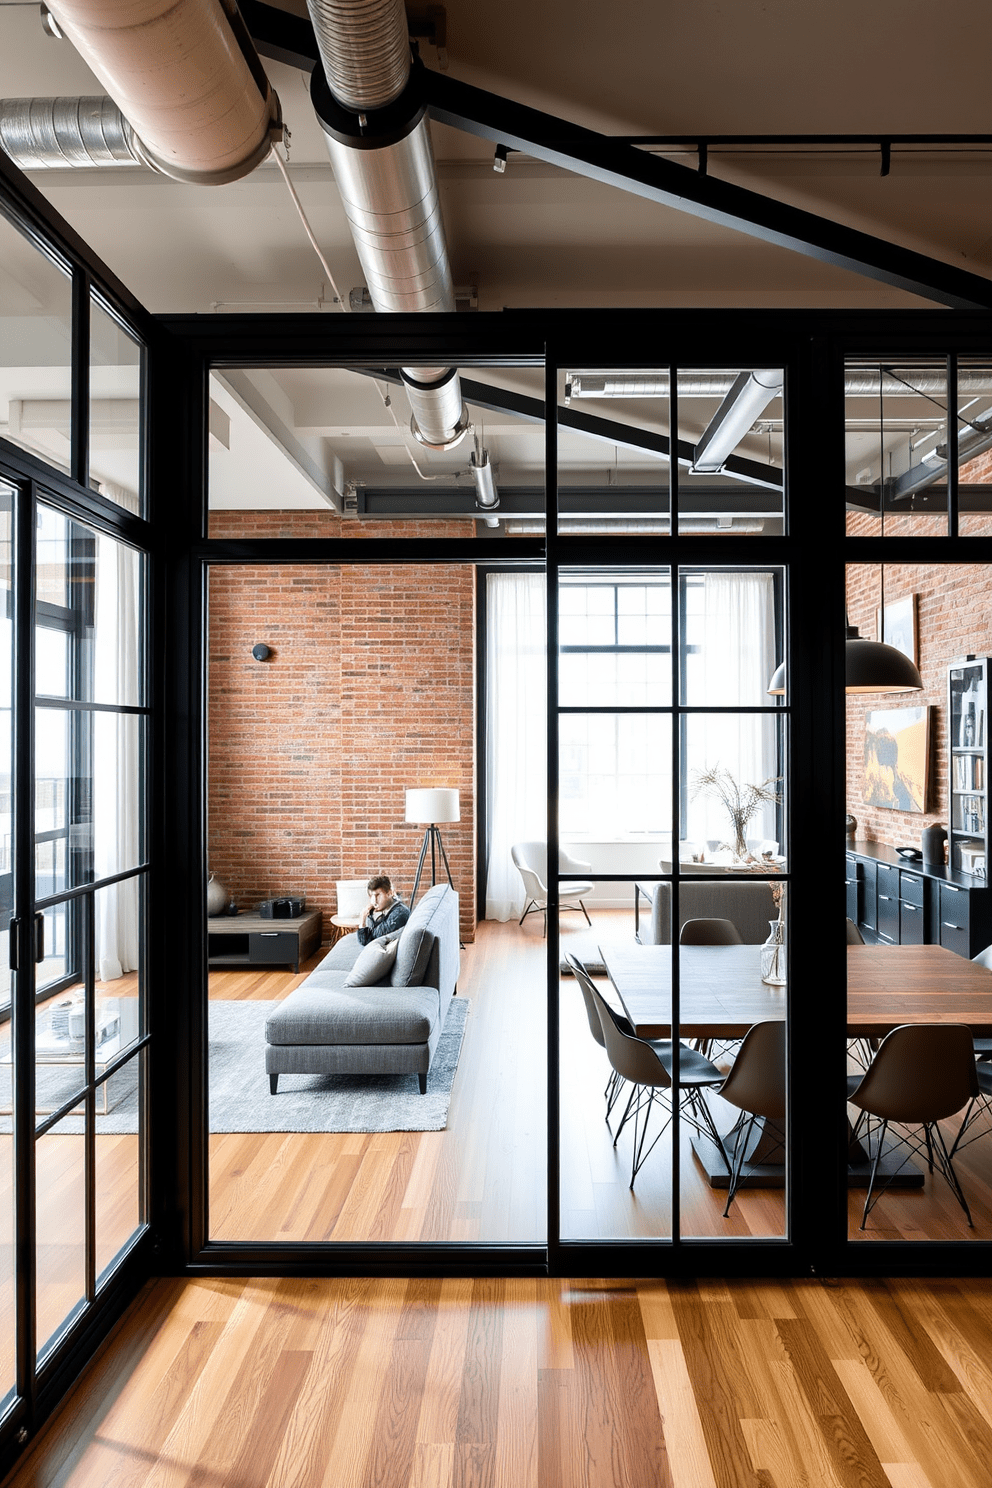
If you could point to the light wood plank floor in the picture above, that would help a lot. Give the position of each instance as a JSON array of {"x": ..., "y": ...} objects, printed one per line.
[
  {"x": 483, "y": 1179},
  {"x": 534, "y": 1384}
]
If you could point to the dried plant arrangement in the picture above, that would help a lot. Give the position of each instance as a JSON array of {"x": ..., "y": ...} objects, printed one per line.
[{"x": 741, "y": 801}]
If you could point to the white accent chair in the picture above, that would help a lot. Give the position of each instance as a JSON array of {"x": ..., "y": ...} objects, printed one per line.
[{"x": 531, "y": 861}]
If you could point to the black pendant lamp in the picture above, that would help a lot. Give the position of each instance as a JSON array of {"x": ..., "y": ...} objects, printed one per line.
[{"x": 869, "y": 666}]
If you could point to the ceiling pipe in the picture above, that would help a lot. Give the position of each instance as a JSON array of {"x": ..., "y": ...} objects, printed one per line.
[
  {"x": 186, "y": 77},
  {"x": 746, "y": 401},
  {"x": 857, "y": 384},
  {"x": 486, "y": 494},
  {"x": 50, "y": 133},
  {"x": 379, "y": 143}
]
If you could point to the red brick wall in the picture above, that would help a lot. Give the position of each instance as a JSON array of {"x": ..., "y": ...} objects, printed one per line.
[
  {"x": 954, "y": 618},
  {"x": 370, "y": 689}
]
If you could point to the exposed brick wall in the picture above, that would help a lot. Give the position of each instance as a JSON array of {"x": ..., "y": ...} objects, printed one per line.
[
  {"x": 324, "y": 524},
  {"x": 954, "y": 618},
  {"x": 370, "y": 689}
]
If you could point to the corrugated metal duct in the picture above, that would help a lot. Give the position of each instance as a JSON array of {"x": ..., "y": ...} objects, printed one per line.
[{"x": 380, "y": 149}]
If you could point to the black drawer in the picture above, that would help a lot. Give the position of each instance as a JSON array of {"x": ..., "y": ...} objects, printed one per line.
[
  {"x": 273, "y": 947},
  {"x": 912, "y": 923},
  {"x": 954, "y": 929},
  {"x": 887, "y": 915},
  {"x": 911, "y": 888}
]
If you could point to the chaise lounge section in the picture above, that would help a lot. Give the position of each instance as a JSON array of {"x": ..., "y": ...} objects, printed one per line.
[{"x": 393, "y": 1027}]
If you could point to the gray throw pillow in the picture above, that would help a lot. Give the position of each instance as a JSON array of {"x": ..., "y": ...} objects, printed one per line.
[
  {"x": 416, "y": 944},
  {"x": 372, "y": 963}
]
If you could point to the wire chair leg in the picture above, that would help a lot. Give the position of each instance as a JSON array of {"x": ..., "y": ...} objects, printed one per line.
[
  {"x": 631, "y": 1101},
  {"x": 876, "y": 1159},
  {"x": 742, "y": 1135},
  {"x": 947, "y": 1168}
]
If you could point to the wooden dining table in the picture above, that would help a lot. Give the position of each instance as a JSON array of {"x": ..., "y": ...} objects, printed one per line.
[
  {"x": 721, "y": 992},
  {"x": 721, "y": 995}
]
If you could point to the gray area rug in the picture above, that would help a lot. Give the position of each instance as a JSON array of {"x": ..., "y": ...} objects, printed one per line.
[{"x": 239, "y": 1087}]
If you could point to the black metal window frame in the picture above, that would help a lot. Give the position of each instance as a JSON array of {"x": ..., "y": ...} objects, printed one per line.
[
  {"x": 42, "y": 1382},
  {"x": 812, "y": 552}
]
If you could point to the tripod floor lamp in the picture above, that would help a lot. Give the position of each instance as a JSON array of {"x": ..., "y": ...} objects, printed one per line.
[{"x": 428, "y": 808}]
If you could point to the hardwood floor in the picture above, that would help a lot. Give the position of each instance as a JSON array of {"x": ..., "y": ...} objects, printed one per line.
[
  {"x": 366, "y": 1383},
  {"x": 483, "y": 1179}
]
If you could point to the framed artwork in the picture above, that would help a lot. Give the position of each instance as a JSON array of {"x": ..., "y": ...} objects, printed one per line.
[
  {"x": 897, "y": 756},
  {"x": 896, "y": 626}
]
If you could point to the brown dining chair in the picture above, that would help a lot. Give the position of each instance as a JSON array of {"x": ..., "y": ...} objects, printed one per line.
[
  {"x": 710, "y": 933},
  {"x": 922, "y": 1073},
  {"x": 854, "y": 936},
  {"x": 756, "y": 1086}
]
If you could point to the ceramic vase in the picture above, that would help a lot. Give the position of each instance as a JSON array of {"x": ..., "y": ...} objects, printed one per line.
[
  {"x": 217, "y": 896},
  {"x": 773, "y": 955}
]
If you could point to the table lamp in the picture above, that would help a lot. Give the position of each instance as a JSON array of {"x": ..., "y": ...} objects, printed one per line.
[{"x": 428, "y": 808}]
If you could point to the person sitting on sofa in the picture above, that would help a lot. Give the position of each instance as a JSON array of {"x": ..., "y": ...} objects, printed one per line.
[{"x": 385, "y": 914}]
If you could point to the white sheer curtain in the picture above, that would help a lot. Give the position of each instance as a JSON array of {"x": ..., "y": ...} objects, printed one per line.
[
  {"x": 516, "y": 731},
  {"x": 117, "y": 758},
  {"x": 732, "y": 669}
]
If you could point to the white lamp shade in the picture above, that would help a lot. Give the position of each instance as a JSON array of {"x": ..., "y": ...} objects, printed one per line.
[
  {"x": 352, "y": 895},
  {"x": 426, "y": 806}
]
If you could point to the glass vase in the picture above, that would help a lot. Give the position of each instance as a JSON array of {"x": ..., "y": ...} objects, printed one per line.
[{"x": 773, "y": 955}]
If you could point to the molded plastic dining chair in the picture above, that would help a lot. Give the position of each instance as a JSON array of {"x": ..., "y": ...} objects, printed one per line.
[
  {"x": 615, "y": 1083},
  {"x": 854, "y": 936},
  {"x": 756, "y": 1085},
  {"x": 710, "y": 932},
  {"x": 531, "y": 861},
  {"x": 922, "y": 1073},
  {"x": 648, "y": 1065}
]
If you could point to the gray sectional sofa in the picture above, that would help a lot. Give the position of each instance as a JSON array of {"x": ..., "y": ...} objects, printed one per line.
[
  {"x": 748, "y": 905},
  {"x": 324, "y": 1027}
]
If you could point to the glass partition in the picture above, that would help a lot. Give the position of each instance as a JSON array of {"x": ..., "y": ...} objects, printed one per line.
[
  {"x": 116, "y": 424},
  {"x": 35, "y": 348},
  {"x": 731, "y": 429},
  {"x": 673, "y": 840},
  {"x": 367, "y": 704},
  {"x": 335, "y": 452},
  {"x": 919, "y": 987},
  {"x": 974, "y": 388},
  {"x": 896, "y": 448}
]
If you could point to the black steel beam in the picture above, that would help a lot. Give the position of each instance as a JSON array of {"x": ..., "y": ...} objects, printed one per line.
[
  {"x": 609, "y": 431},
  {"x": 971, "y": 498},
  {"x": 607, "y": 502},
  {"x": 600, "y": 158},
  {"x": 279, "y": 35}
]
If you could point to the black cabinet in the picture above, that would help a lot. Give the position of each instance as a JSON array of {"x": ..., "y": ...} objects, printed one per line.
[
  {"x": 955, "y": 920},
  {"x": 912, "y": 909},
  {"x": 918, "y": 905},
  {"x": 887, "y": 903},
  {"x": 855, "y": 897}
]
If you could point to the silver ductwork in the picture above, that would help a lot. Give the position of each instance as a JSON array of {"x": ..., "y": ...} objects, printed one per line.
[
  {"x": 185, "y": 75},
  {"x": 365, "y": 49},
  {"x": 379, "y": 144},
  {"x": 45, "y": 133},
  {"x": 858, "y": 383}
]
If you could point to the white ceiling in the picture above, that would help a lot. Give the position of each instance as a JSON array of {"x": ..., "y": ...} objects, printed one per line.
[{"x": 540, "y": 236}]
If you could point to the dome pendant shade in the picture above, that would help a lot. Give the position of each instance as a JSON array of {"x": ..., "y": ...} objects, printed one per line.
[{"x": 872, "y": 666}]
